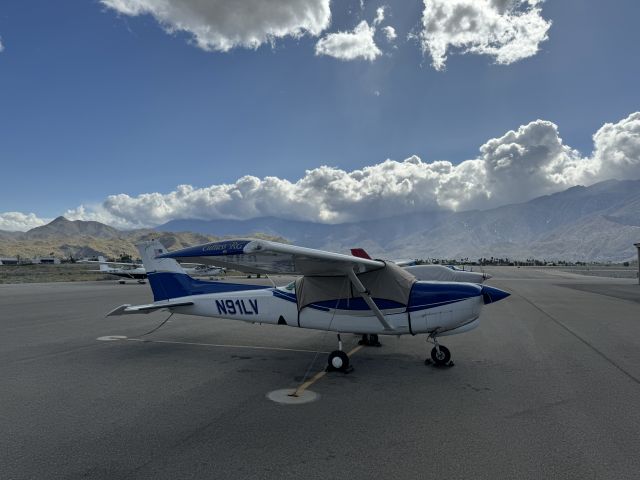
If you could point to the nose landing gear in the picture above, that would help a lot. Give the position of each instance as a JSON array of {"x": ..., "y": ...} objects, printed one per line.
[{"x": 440, "y": 355}]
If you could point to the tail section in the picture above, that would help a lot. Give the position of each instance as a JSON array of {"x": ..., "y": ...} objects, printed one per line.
[
  {"x": 103, "y": 266},
  {"x": 149, "y": 251},
  {"x": 168, "y": 279}
]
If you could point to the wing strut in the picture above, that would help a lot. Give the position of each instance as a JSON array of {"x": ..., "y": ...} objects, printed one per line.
[{"x": 366, "y": 296}]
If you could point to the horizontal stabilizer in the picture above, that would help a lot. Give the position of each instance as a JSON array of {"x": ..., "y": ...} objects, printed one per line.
[{"x": 128, "y": 309}]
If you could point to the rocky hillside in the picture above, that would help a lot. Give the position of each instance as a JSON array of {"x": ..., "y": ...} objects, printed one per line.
[
  {"x": 596, "y": 223},
  {"x": 78, "y": 239}
]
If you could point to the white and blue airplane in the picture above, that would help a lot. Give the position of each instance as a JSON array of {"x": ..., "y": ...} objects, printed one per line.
[
  {"x": 442, "y": 273},
  {"x": 335, "y": 292},
  {"x": 136, "y": 271}
]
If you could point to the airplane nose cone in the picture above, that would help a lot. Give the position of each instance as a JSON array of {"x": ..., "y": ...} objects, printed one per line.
[{"x": 492, "y": 294}]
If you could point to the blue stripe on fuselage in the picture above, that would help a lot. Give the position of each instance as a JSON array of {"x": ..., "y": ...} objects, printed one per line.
[
  {"x": 435, "y": 294},
  {"x": 355, "y": 303},
  {"x": 166, "y": 285},
  {"x": 424, "y": 295}
]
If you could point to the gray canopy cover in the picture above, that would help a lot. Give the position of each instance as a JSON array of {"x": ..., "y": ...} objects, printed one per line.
[{"x": 389, "y": 282}]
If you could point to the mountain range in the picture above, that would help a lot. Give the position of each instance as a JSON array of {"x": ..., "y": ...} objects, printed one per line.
[
  {"x": 596, "y": 223},
  {"x": 78, "y": 239}
]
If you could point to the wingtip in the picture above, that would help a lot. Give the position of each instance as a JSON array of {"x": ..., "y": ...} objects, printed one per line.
[{"x": 118, "y": 310}]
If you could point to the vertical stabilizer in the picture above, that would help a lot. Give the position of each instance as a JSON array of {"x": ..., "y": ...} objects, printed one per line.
[
  {"x": 168, "y": 280},
  {"x": 148, "y": 252},
  {"x": 103, "y": 266}
]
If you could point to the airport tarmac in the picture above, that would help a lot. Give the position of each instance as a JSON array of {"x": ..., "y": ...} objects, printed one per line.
[{"x": 548, "y": 386}]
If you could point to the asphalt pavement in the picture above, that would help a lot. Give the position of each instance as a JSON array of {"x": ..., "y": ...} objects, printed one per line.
[{"x": 548, "y": 386}]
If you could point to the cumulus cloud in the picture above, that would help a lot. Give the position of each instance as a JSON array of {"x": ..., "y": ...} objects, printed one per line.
[
  {"x": 220, "y": 25},
  {"x": 515, "y": 167},
  {"x": 617, "y": 148},
  {"x": 390, "y": 33},
  {"x": 21, "y": 222},
  {"x": 379, "y": 16},
  {"x": 508, "y": 30},
  {"x": 357, "y": 44},
  {"x": 350, "y": 45}
]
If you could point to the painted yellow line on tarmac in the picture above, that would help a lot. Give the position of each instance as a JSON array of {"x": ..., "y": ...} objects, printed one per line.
[
  {"x": 253, "y": 347},
  {"x": 302, "y": 387}
]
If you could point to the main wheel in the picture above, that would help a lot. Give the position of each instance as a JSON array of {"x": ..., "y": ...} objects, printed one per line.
[
  {"x": 338, "y": 360},
  {"x": 441, "y": 358},
  {"x": 373, "y": 341}
]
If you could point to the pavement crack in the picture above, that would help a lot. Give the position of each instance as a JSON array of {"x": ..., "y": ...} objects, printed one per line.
[{"x": 577, "y": 336}]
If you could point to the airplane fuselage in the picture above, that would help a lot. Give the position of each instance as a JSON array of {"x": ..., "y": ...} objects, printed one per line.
[
  {"x": 433, "y": 306},
  {"x": 136, "y": 274}
]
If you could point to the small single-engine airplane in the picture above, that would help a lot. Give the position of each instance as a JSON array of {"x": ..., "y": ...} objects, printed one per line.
[
  {"x": 442, "y": 273},
  {"x": 123, "y": 270},
  {"x": 336, "y": 292},
  {"x": 136, "y": 271}
]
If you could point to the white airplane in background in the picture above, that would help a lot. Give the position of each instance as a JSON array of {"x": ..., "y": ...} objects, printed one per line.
[
  {"x": 124, "y": 270},
  {"x": 336, "y": 292},
  {"x": 136, "y": 271},
  {"x": 440, "y": 273}
]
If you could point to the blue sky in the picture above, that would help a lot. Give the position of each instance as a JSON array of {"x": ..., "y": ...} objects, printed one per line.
[{"x": 95, "y": 102}]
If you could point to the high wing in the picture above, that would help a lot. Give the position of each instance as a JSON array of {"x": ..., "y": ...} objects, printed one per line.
[{"x": 262, "y": 256}]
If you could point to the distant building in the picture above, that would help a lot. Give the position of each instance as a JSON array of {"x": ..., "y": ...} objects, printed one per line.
[
  {"x": 46, "y": 261},
  {"x": 9, "y": 261}
]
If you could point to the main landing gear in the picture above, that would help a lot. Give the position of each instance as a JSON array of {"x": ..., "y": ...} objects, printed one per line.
[
  {"x": 440, "y": 355},
  {"x": 339, "y": 360}
]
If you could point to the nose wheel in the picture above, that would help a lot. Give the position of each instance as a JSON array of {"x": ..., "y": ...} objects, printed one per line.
[{"x": 440, "y": 355}]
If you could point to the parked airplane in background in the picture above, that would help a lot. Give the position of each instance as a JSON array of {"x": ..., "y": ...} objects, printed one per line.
[
  {"x": 136, "y": 271},
  {"x": 123, "y": 270},
  {"x": 442, "y": 273},
  {"x": 335, "y": 292}
]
